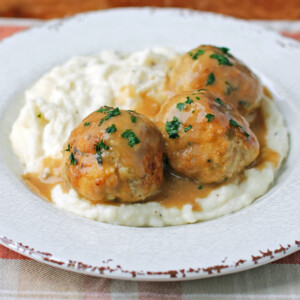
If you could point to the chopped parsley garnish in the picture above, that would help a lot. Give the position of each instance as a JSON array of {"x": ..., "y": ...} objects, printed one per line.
[
  {"x": 210, "y": 79},
  {"x": 208, "y": 160},
  {"x": 99, "y": 158},
  {"x": 86, "y": 124},
  {"x": 234, "y": 123},
  {"x": 193, "y": 111},
  {"x": 180, "y": 106},
  {"x": 100, "y": 146},
  {"x": 72, "y": 159},
  {"x": 200, "y": 90},
  {"x": 222, "y": 60},
  {"x": 188, "y": 128},
  {"x": 111, "y": 129},
  {"x": 188, "y": 100},
  {"x": 196, "y": 54},
  {"x": 229, "y": 88},
  {"x": 132, "y": 138},
  {"x": 104, "y": 109},
  {"x": 112, "y": 113},
  {"x": 133, "y": 119},
  {"x": 39, "y": 115},
  {"x": 244, "y": 103},
  {"x": 198, "y": 98},
  {"x": 200, "y": 187},
  {"x": 209, "y": 117},
  {"x": 172, "y": 128},
  {"x": 224, "y": 49},
  {"x": 219, "y": 101},
  {"x": 69, "y": 148}
]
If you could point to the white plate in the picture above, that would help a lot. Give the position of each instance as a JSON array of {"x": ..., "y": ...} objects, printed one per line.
[{"x": 264, "y": 231}]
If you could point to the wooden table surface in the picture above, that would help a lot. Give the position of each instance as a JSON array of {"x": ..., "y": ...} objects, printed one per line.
[{"x": 247, "y": 9}]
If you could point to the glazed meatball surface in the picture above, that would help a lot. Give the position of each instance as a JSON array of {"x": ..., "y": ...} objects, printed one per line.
[
  {"x": 114, "y": 155},
  {"x": 217, "y": 70},
  {"x": 206, "y": 139}
]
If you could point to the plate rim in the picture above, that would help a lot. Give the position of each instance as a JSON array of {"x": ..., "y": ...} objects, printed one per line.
[
  {"x": 105, "y": 271},
  {"x": 258, "y": 259}
]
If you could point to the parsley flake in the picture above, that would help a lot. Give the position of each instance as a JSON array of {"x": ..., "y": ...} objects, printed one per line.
[
  {"x": 210, "y": 79},
  {"x": 111, "y": 129},
  {"x": 99, "y": 158},
  {"x": 222, "y": 60},
  {"x": 133, "y": 119},
  {"x": 99, "y": 146},
  {"x": 244, "y": 103},
  {"x": 132, "y": 138},
  {"x": 187, "y": 128},
  {"x": 200, "y": 187},
  {"x": 180, "y": 106},
  {"x": 219, "y": 101},
  {"x": 69, "y": 148},
  {"x": 234, "y": 123},
  {"x": 104, "y": 109},
  {"x": 200, "y": 90},
  {"x": 172, "y": 128},
  {"x": 189, "y": 100},
  {"x": 209, "y": 117},
  {"x": 38, "y": 116},
  {"x": 198, "y": 98},
  {"x": 72, "y": 159},
  {"x": 196, "y": 54},
  {"x": 229, "y": 88},
  {"x": 86, "y": 124},
  {"x": 225, "y": 50},
  {"x": 112, "y": 113}
]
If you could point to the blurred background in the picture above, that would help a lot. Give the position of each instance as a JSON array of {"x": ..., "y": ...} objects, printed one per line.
[{"x": 246, "y": 9}]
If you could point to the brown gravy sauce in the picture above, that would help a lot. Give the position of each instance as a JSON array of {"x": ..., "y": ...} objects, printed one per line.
[
  {"x": 267, "y": 92},
  {"x": 149, "y": 106},
  {"x": 176, "y": 191},
  {"x": 266, "y": 154},
  {"x": 42, "y": 185}
]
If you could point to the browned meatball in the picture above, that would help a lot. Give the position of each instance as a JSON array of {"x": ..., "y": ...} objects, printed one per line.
[
  {"x": 205, "y": 139},
  {"x": 115, "y": 155},
  {"x": 217, "y": 70}
]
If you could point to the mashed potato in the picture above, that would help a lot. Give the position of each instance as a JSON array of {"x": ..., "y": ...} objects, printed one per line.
[{"x": 57, "y": 103}]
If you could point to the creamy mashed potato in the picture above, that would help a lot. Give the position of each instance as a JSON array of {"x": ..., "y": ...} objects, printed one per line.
[{"x": 57, "y": 103}]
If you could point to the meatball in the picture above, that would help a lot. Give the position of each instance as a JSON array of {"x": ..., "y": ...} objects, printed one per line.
[
  {"x": 115, "y": 155},
  {"x": 217, "y": 70},
  {"x": 206, "y": 139}
]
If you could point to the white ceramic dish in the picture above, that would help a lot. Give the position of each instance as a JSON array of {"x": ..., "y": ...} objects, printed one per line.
[{"x": 266, "y": 230}]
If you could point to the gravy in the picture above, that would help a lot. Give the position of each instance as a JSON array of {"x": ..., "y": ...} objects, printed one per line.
[
  {"x": 176, "y": 191},
  {"x": 266, "y": 154},
  {"x": 42, "y": 185}
]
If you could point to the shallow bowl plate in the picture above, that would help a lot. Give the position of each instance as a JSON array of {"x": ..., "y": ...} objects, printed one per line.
[{"x": 266, "y": 230}]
